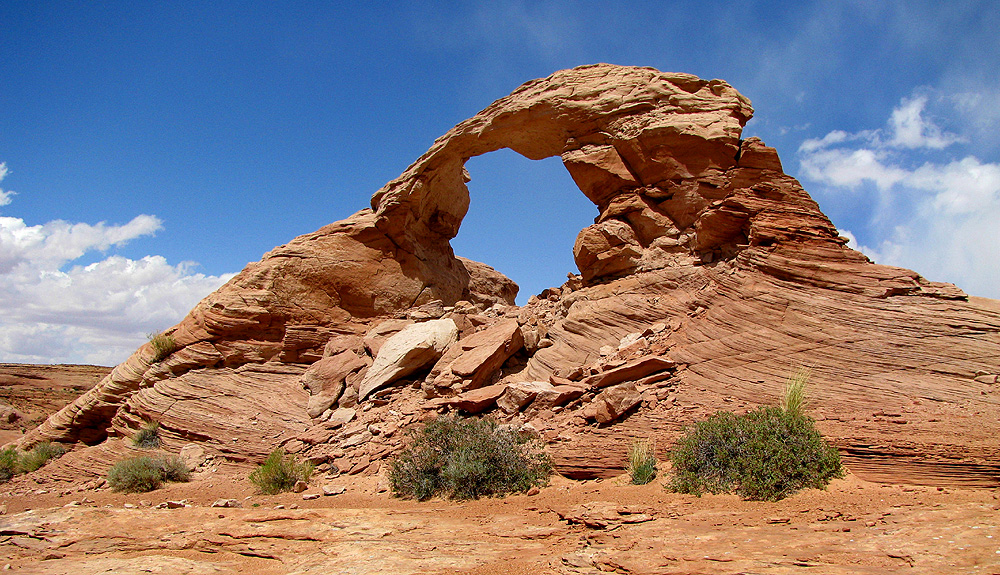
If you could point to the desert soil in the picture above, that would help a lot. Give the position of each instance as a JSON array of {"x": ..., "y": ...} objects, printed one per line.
[{"x": 569, "y": 527}]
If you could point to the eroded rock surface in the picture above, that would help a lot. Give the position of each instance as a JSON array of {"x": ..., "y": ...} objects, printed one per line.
[
  {"x": 708, "y": 278},
  {"x": 568, "y": 528}
]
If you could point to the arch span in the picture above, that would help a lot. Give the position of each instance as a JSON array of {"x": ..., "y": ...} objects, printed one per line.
[{"x": 649, "y": 149}]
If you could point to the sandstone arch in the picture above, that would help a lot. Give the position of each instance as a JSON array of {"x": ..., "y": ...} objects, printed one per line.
[
  {"x": 699, "y": 233},
  {"x": 617, "y": 129}
]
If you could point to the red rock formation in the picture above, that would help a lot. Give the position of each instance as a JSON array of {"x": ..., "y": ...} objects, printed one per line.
[{"x": 708, "y": 278}]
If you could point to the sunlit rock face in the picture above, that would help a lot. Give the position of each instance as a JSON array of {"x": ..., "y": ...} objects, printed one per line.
[{"x": 707, "y": 279}]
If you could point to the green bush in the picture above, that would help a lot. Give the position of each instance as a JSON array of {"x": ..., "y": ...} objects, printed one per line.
[
  {"x": 8, "y": 464},
  {"x": 145, "y": 473},
  {"x": 765, "y": 455},
  {"x": 467, "y": 459},
  {"x": 39, "y": 455},
  {"x": 148, "y": 437},
  {"x": 163, "y": 345},
  {"x": 279, "y": 473},
  {"x": 641, "y": 462}
]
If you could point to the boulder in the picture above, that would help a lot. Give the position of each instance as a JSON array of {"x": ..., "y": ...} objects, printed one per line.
[
  {"x": 341, "y": 416},
  {"x": 471, "y": 362},
  {"x": 377, "y": 335},
  {"x": 631, "y": 371},
  {"x": 478, "y": 400},
  {"x": 341, "y": 343},
  {"x": 193, "y": 455},
  {"x": 9, "y": 414},
  {"x": 607, "y": 248},
  {"x": 325, "y": 380},
  {"x": 612, "y": 403},
  {"x": 604, "y": 514},
  {"x": 487, "y": 286},
  {"x": 414, "y": 347},
  {"x": 521, "y": 393},
  {"x": 557, "y": 395}
]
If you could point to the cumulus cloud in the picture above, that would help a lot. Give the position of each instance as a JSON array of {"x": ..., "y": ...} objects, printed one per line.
[
  {"x": 934, "y": 213},
  {"x": 52, "y": 311}
]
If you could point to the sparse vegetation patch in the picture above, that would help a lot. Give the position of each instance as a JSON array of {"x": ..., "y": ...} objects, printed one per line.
[
  {"x": 145, "y": 473},
  {"x": 148, "y": 437},
  {"x": 468, "y": 459},
  {"x": 279, "y": 473},
  {"x": 795, "y": 393},
  {"x": 641, "y": 462},
  {"x": 163, "y": 345},
  {"x": 39, "y": 455},
  {"x": 13, "y": 463},
  {"x": 8, "y": 464}
]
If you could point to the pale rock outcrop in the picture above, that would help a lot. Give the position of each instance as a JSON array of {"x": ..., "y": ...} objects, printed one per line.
[{"x": 414, "y": 347}]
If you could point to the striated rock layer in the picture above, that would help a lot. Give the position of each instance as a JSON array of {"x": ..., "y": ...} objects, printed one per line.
[{"x": 708, "y": 278}]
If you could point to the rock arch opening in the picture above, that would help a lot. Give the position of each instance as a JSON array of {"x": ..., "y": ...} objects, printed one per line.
[
  {"x": 650, "y": 150},
  {"x": 524, "y": 217}
]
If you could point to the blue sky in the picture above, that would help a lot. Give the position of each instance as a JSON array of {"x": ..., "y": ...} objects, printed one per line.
[{"x": 152, "y": 149}]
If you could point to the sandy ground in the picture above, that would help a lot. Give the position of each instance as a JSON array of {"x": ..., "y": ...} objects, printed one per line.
[{"x": 569, "y": 527}]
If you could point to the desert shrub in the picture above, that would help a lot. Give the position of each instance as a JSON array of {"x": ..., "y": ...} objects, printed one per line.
[
  {"x": 163, "y": 345},
  {"x": 136, "y": 475},
  {"x": 795, "y": 392},
  {"x": 145, "y": 473},
  {"x": 39, "y": 455},
  {"x": 641, "y": 462},
  {"x": 279, "y": 472},
  {"x": 467, "y": 459},
  {"x": 8, "y": 464},
  {"x": 766, "y": 454},
  {"x": 148, "y": 437},
  {"x": 174, "y": 469}
]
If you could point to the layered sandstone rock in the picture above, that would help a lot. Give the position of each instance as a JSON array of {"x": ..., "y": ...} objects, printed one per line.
[{"x": 707, "y": 279}]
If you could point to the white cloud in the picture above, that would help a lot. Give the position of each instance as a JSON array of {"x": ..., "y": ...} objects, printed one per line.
[
  {"x": 938, "y": 217},
  {"x": 54, "y": 312},
  {"x": 834, "y": 137},
  {"x": 5, "y": 197},
  {"x": 910, "y": 129},
  {"x": 850, "y": 168},
  {"x": 56, "y": 243}
]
